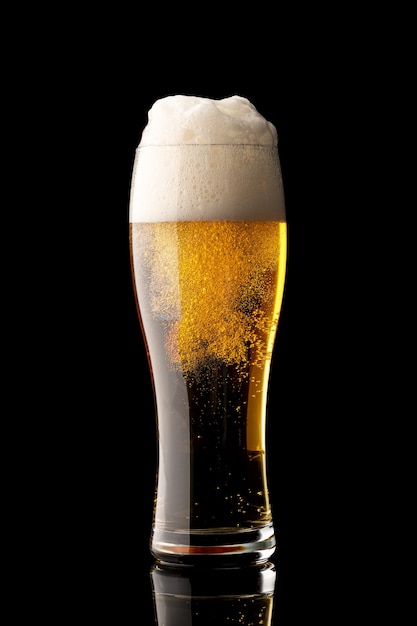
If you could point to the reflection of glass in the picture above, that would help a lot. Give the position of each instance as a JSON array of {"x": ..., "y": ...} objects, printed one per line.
[{"x": 186, "y": 596}]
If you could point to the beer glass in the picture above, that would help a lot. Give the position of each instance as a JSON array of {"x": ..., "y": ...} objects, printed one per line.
[{"x": 209, "y": 289}]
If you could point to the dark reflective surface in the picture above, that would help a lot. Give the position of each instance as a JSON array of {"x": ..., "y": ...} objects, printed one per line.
[{"x": 189, "y": 596}]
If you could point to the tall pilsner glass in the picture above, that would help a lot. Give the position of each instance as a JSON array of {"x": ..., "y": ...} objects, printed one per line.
[{"x": 209, "y": 291}]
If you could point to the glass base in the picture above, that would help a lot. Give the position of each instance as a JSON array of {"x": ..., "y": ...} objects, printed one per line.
[{"x": 214, "y": 546}]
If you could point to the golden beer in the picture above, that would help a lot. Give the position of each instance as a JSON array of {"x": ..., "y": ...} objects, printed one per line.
[{"x": 209, "y": 296}]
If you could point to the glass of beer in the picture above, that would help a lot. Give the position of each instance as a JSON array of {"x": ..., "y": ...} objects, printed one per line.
[{"x": 208, "y": 255}]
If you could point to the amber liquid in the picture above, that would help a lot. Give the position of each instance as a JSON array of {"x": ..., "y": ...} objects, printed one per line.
[{"x": 209, "y": 296}]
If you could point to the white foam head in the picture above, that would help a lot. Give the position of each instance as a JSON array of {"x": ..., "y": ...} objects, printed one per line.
[
  {"x": 193, "y": 120},
  {"x": 205, "y": 159}
]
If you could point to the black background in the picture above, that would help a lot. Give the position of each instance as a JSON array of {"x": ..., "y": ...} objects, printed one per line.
[{"x": 89, "y": 83}]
